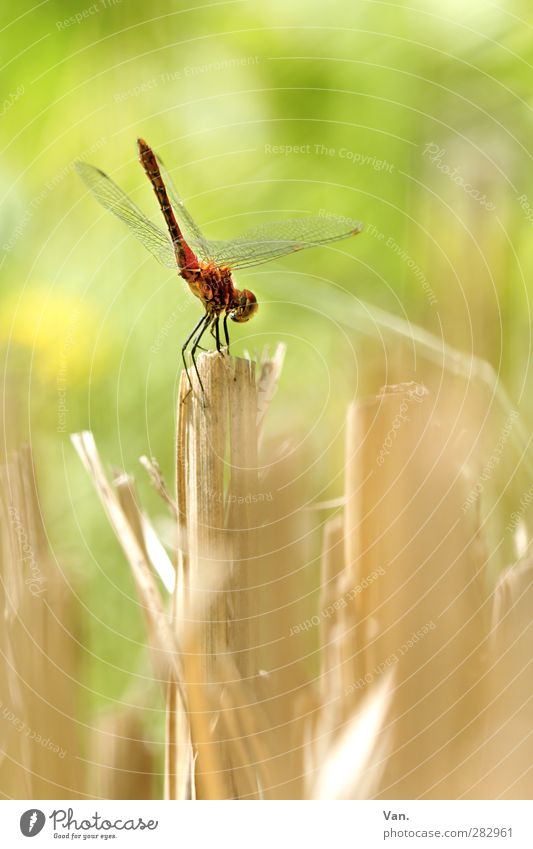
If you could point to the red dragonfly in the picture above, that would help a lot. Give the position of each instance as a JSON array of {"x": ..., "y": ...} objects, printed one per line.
[{"x": 207, "y": 266}]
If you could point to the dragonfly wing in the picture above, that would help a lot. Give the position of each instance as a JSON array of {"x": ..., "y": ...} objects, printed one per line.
[
  {"x": 110, "y": 196},
  {"x": 278, "y": 238},
  {"x": 192, "y": 229}
]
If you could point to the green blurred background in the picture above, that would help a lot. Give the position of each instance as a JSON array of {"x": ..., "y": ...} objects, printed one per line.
[{"x": 413, "y": 117}]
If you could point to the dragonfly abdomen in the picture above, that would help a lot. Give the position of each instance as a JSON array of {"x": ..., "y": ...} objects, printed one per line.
[{"x": 184, "y": 255}]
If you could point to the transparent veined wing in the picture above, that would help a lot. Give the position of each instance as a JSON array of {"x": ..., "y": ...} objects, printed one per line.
[
  {"x": 278, "y": 238},
  {"x": 110, "y": 196},
  {"x": 184, "y": 217}
]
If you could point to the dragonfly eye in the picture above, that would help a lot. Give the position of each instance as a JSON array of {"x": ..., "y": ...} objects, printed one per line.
[{"x": 247, "y": 306}]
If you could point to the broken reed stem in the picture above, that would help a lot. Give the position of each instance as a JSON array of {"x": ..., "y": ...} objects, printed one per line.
[
  {"x": 202, "y": 429},
  {"x": 200, "y": 474},
  {"x": 208, "y": 423},
  {"x": 38, "y": 651},
  {"x": 217, "y": 484},
  {"x": 241, "y": 517},
  {"x": 166, "y": 651},
  {"x": 414, "y": 568}
]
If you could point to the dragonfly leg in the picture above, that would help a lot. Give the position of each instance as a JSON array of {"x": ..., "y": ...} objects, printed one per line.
[
  {"x": 184, "y": 348},
  {"x": 226, "y": 334},
  {"x": 207, "y": 321},
  {"x": 217, "y": 332}
]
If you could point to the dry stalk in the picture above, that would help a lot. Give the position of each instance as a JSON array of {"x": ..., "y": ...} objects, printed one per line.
[
  {"x": 38, "y": 657},
  {"x": 217, "y": 484},
  {"x": 160, "y": 635},
  {"x": 500, "y": 766},
  {"x": 423, "y": 610}
]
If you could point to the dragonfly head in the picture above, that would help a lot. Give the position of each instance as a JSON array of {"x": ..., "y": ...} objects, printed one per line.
[{"x": 245, "y": 306}]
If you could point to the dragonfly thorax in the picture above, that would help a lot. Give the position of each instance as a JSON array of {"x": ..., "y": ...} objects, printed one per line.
[{"x": 213, "y": 284}]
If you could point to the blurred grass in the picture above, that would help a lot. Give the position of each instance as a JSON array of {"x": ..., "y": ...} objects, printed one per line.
[{"x": 212, "y": 87}]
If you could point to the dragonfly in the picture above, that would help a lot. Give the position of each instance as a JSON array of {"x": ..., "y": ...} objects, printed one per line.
[{"x": 207, "y": 266}]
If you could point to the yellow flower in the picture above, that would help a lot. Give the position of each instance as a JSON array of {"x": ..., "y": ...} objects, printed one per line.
[{"x": 60, "y": 332}]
